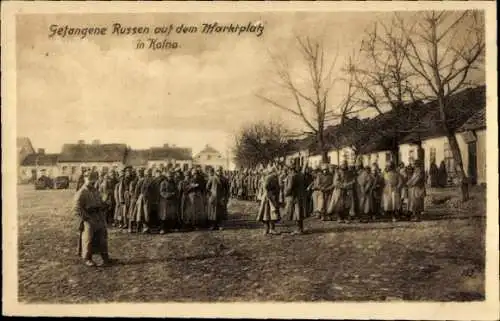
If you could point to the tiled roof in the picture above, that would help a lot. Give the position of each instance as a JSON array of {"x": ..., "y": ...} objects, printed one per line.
[
  {"x": 177, "y": 153},
  {"x": 208, "y": 150},
  {"x": 40, "y": 160},
  {"x": 93, "y": 153},
  {"x": 461, "y": 107},
  {"x": 137, "y": 157},
  {"x": 476, "y": 121}
]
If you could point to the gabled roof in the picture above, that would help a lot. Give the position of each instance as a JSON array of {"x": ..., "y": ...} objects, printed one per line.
[
  {"x": 137, "y": 157},
  {"x": 40, "y": 160},
  {"x": 475, "y": 122},
  {"x": 461, "y": 106},
  {"x": 177, "y": 153},
  {"x": 208, "y": 150},
  {"x": 93, "y": 153}
]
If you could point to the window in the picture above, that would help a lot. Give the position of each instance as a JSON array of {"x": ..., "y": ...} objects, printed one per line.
[
  {"x": 185, "y": 167},
  {"x": 329, "y": 159},
  {"x": 209, "y": 157},
  {"x": 432, "y": 155},
  {"x": 387, "y": 157},
  {"x": 105, "y": 168},
  {"x": 73, "y": 170},
  {"x": 400, "y": 156}
]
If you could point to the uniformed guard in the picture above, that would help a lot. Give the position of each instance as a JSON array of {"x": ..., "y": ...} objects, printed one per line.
[{"x": 90, "y": 209}]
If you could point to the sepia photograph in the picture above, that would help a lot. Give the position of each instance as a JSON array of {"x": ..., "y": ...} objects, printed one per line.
[{"x": 317, "y": 154}]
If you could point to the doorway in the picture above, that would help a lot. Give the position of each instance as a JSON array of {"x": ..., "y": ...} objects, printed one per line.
[{"x": 472, "y": 168}]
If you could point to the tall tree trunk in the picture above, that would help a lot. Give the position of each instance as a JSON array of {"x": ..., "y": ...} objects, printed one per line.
[
  {"x": 322, "y": 148},
  {"x": 455, "y": 150},
  {"x": 459, "y": 166}
]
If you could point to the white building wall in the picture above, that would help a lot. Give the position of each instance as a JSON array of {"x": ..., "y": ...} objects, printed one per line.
[
  {"x": 26, "y": 172},
  {"x": 481, "y": 156},
  {"x": 74, "y": 169}
]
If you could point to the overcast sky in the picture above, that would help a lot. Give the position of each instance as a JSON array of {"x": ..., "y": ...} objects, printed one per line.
[{"x": 103, "y": 88}]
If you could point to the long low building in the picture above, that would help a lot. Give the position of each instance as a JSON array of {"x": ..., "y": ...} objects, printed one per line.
[
  {"x": 370, "y": 140},
  {"x": 74, "y": 158}
]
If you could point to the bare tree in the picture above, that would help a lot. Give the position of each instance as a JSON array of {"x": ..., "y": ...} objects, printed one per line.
[
  {"x": 261, "y": 143},
  {"x": 443, "y": 48},
  {"x": 311, "y": 100},
  {"x": 382, "y": 78}
]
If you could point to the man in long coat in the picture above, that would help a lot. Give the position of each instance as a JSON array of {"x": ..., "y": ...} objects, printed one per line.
[
  {"x": 377, "y": 190},
  {"x": 365, "y": 183},
  {"x": 89, "y": 209},
  {"x": 194, "y": 206},
  {"x": 105, "y": 189},
  {"x": 393, "y": 183},
  {"x": 321, "y": 192},
  {"x": 142, "y": 210},
  {"x": 269, "y": 211},
  {"x": 416, "y": 191},
  {"x": 218, "y": 194},
  {"x": 134, "y": 195},
  {"x": 295, "y": 198},
  {"x": 168, "y": 205}
]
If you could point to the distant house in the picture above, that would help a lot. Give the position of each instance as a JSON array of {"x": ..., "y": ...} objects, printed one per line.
[
  {"x": 24, "y": 148},
  {"x": 169, "y": 157},
  {"x": 210, "y": 157},
  {"x": 96, "y": 156},
  {"x": 36, "y": 164}
]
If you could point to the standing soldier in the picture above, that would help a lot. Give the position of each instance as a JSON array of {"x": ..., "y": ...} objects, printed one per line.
[
  {"x": 142, "y": 210},
  {"x": 416, "y": 185},
  {"x": 295, "y": 198},
  {"x": 123, "y": 198},
  {"x": 81, "y": 179},
  {"x": 132, "y": 214},
  {"x": 377, "y": 191},
  {"x": 392, "y": 191},
  {"x": 89, "y": 208},
  {"x": 218, "y": 193},
  {"x": 336, "y": 206},
  {"x": 105, "y": 189},
  {"x": 269, "y": 211},
  {"x": 183, "y": 188},
  {"x": 365, "y": 188},
  {"x": 321, "y": 190},
  {"x": 168, "y": 205}
]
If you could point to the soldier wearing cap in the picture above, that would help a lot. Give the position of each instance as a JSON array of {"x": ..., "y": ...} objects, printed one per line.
[
  {"x": 89, "y": 208},
  {"x": 218, "y": 194}
]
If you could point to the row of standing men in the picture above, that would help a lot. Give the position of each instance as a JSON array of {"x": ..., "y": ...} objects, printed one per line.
[
  {"x": 139, "y": 200},
  {"x": 333, "y": 193}
]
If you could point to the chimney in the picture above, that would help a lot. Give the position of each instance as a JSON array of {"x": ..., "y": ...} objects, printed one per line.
[
  {"x": 96, "y": 142},
  {"x": 165, "y": 145},
  {"x": 41, "y": 151},
  {"x": 81, "y": 142}
]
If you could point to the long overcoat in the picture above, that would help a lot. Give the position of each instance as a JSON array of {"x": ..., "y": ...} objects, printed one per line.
[
  {"x": 391, "y": 199},
  {"x": 416, "y": 191},
  {"x": 294, "y": 192},
  {"x": 218, "y": 195},
  {"x": 269, "y": 206}
]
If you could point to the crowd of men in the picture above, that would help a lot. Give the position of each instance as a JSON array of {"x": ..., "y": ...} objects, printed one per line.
[
  {"x": 138, "y": 200},
  {"x": 343, "y": 193}
]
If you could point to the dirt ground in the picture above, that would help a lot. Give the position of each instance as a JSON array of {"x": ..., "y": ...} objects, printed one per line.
[{"x": 439, "y": 259}]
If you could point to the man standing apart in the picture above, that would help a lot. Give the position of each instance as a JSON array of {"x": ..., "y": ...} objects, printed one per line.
[
  {"x": 89, "y": 208},
  {"x": 295, "y": 197},
  {"x": 218, "y": 193}
]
